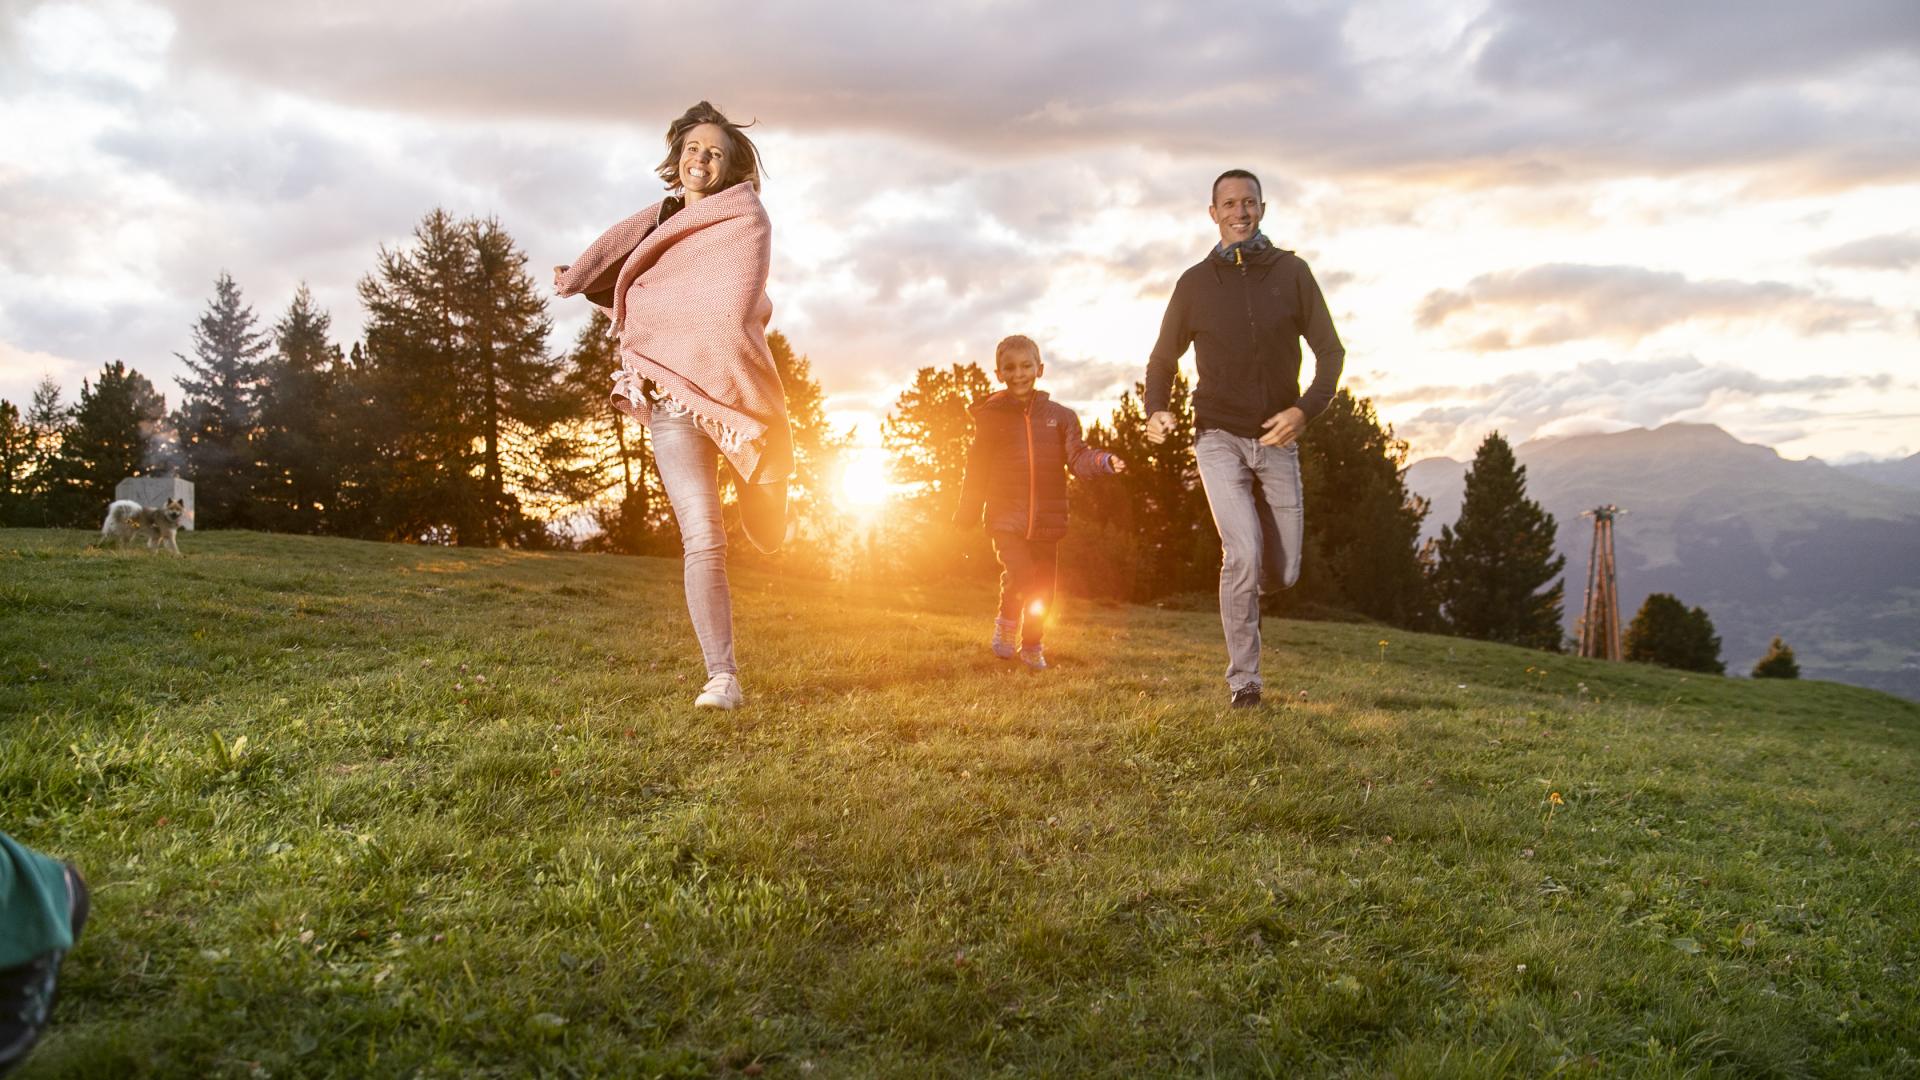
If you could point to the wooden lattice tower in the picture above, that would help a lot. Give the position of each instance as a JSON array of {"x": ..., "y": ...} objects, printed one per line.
[{"x": 1600, "y": 625}]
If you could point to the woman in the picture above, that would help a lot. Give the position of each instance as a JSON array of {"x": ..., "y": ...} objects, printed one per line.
[{"x": 686, "y": 283}]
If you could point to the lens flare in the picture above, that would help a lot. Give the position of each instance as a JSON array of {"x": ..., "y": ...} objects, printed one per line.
[{"x": 864, "y": 485}]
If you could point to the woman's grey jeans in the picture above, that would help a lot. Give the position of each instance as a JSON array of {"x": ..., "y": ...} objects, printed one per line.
[
  {"x": 689, "y": 465},
  {"x": 1254, "y": 493}
]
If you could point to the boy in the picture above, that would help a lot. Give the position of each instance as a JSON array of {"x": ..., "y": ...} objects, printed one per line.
[{"x": 1022, "y": 445}]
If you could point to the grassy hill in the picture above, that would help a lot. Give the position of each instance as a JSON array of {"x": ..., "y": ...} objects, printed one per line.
[{"x": 354, "y": 809}]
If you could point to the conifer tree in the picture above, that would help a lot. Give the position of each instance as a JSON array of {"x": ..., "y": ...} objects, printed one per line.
[
  {"x": 516, "y": 379},
  {"x": 114, "y": 429},
  {"x": 817, "y": 450},
  {"x": 1494, "y": 565},
  {"x": 1666, "y": 632},
  {"x": 1362, "y": 545},
  {"x": 1157, "y": 505},
  {"x": 927, "y": 434},
  {"x": 44, "y": 426},
  {"x": 610, "y": 468},
  {"x": 1779, "y": 662},
  {"x": 929, "y": 429},
  {"x": 297, "y": 490},
  {"x": 455, "y": 385},
  {"x": 16, "y": 451},
  {"x": 219, "y": 408}
]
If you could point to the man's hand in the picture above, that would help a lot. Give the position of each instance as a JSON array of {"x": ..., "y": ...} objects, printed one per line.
[
  {"x": 557, "y": 272},
  {"x": 1159, "y": 426},
  {"x": 1114, "y": 463},
  {"x": 1283, "y": 427}
]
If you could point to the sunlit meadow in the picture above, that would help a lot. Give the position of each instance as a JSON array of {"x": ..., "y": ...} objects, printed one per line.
[{"x": 353, "y": 809}]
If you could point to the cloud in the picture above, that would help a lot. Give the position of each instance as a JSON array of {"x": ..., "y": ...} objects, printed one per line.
[
  {"x": 1893, "y": 251},
  {"x": 1560, "y": 302},
  {"x": 1535, "y": 92},
  {"x": 22, "y": 369},
  {"x": 1658, "y": 54},
  {"x": 1609, "y": 395}
]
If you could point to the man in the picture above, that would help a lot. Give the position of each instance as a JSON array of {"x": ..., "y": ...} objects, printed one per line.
[{"x": 1244, "y": 309}]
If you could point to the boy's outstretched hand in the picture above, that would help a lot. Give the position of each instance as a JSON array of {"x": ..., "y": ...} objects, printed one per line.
[{"x": 1115, "y": 463}]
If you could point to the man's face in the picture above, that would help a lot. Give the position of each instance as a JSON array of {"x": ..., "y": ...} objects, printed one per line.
[
  {"x": 1018, "y": 368},
  {"x": 1237, "y": 209}
]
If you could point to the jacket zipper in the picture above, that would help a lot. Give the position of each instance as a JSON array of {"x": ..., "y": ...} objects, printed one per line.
[
  {"x": 1253, "y": 331},
  {"x": 1033, "y": 477}
]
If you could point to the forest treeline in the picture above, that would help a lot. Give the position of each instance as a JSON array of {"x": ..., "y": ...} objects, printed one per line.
[{"x": 453, "y": 420}]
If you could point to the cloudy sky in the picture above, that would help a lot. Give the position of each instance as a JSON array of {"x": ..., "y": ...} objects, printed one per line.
[{"x": 1542, "y": 217}]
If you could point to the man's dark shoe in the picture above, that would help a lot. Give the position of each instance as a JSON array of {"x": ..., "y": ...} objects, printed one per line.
[
  {"x": 27, "y": 991},
  {"x": 1246, "y": 697}
]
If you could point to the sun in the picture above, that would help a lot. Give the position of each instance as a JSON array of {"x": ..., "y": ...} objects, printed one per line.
[{"x": 864, "y": 484}]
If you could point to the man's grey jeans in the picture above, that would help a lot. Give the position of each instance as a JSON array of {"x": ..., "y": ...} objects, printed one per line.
[{"x": 1254, "y": 493}]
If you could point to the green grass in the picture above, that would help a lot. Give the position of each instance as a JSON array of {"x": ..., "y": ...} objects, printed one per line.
[{"x": 475, "y": 828}]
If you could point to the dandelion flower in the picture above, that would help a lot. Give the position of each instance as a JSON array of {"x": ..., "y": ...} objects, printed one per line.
[{"x": 1554, "y": 798}]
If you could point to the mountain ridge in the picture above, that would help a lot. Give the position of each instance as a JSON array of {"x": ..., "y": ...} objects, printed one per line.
[{"x": 1826, "y": 556}]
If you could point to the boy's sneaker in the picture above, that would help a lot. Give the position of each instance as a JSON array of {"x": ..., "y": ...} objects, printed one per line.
[
  {"x": 721, "y": 692},
  {"x": 1034, "y": 656},
  {"x": 27, "y": 991},
  {"x": 1247, "y": 697},
  {"x": 1006, "y": 638}
]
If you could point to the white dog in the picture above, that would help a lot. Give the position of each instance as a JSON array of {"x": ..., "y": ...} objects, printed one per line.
[{"x": 127, "y": 519}]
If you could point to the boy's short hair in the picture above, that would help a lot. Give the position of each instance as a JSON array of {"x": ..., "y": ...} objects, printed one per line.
[{"x": 1016, "y": 341}]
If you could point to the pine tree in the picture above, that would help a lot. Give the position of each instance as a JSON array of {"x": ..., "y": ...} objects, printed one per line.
[
  {"x": 929, "y": 429},
  {"x": 926, "y": 435},
  {"x": 516, "y": 379},
  {"x": 46, "y": 424},
  {"x": 1157, "y": 506},
  {"x": 1778, "y": 663},
  {"x": 1493, "y": 566},
  {"x": 817, "y": 451},
  {"x": 366, "y": 464},
  {"x": 297, "y": 489},
  {"x": 219, "y": 409},
  {"x": 456, "y": 386},
  {"x": 1362, "y": 546},
  {"x": 1666, "y": 632},
  {"x": 16, "y": 452},
  {"x": 113, "y": 433},
  {"x": 610, "y": 469}
]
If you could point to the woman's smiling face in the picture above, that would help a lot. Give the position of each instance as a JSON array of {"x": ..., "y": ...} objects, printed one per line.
[{"x": 706, "y": 158}]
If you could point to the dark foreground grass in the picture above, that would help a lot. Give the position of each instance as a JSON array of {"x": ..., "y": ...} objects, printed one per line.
[{"x": 364, "y": 810}]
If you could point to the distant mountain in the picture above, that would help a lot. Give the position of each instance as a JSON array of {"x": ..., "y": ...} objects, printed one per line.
[
  {"x": 1827, "y": 557},
  {"x": 1901, "y": 473}
]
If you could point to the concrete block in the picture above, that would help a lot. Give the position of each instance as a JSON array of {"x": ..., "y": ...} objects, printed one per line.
[{"x": 156, "y": 490}]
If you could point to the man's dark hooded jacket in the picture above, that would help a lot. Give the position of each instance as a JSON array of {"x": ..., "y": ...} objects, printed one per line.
[
  {"x": 1244, "y": 315},
  {"x": 1017, "y": 465}
]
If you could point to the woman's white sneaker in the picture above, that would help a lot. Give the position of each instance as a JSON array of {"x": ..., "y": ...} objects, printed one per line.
[{"x": 721, "y": 692}]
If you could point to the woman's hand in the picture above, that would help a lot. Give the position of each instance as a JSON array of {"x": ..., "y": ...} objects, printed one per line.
[{"x": 558, "y": 272}]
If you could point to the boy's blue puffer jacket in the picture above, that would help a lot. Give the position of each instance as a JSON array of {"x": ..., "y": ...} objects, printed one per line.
[{"x": 1017, "y": 465}]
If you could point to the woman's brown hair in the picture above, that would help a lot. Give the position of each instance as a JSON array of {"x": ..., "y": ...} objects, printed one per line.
[{"x": 743, "y": 164}]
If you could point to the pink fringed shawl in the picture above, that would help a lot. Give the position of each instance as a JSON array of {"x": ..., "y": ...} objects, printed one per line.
[{"x": 690, "y": 306}]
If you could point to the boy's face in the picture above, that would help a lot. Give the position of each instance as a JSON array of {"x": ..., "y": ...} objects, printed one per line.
[{"x": 1018, "y": 368}]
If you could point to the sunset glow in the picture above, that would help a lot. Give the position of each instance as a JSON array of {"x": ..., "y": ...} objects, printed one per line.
[
  {"x": 864, "y": 486},
  {"x": 1656, "y": 226}
]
